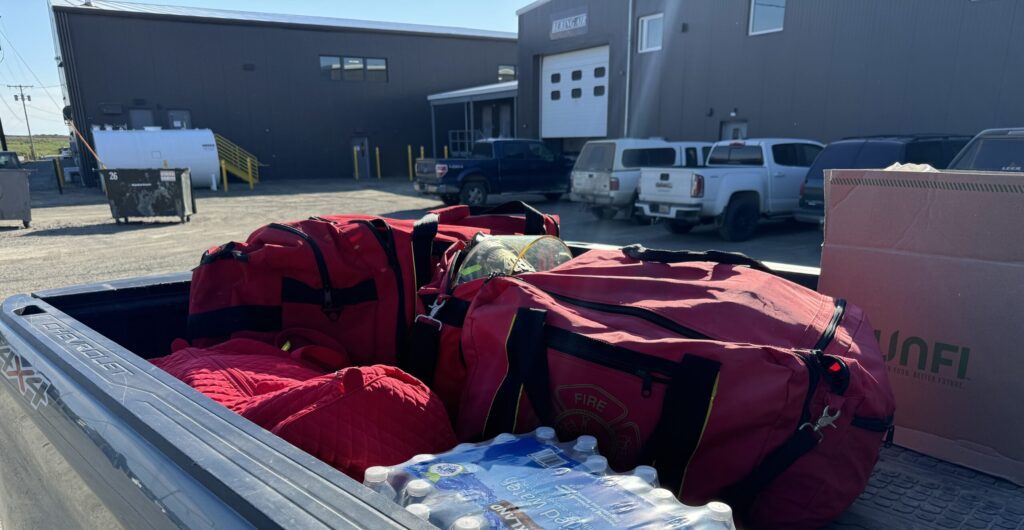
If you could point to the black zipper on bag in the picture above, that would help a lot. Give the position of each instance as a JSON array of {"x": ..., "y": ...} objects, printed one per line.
[
  {"x": 321, "y": 265},
  {"x": 830, "y": 330},
  {"x": 644, "y": 314},
  {"x": 872, "y": 424},
  {"x": 645, "y": 367}
]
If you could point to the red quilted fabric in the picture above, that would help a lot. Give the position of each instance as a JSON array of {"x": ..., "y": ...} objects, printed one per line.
[
  {"x": 358, "y": 417},
  {"x": 351, "y": 419}
]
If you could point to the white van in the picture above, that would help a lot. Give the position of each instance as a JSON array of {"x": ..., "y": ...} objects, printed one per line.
[{"x": 607, "y": 171}]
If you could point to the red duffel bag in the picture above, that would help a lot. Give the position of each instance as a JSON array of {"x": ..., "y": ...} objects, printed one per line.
[
  {"x": 735, "y": 383},
  {"x": 350, "y": 418},
  {"x": 352, "y": 277}
]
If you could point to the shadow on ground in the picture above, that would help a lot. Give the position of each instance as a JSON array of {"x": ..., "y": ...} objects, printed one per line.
[{"x": 100, "y": 228}]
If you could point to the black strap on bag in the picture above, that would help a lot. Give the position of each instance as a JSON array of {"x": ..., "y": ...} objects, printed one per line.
[
  {"x": 423, "y": 233},
  {"x": 639, "y": 252},
  {"x": 527, "y": 373},
  {"x": 684, "y": 415},
  {"x": 426, "y": 337},
  {"x": 534, "y": 219}
]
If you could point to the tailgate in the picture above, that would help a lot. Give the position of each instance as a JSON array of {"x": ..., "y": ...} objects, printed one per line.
[
  {"x": 666, "y": 185},
  {"x": 590, "y": 182},
  {"x": 425, "y": 167}
]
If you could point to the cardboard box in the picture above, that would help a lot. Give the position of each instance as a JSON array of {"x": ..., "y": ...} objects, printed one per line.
[{"x": 937, "y": 262}]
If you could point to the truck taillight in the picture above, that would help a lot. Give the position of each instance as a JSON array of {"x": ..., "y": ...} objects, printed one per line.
[
  {"x": 613, "y": 184},
  {"x": 697, "y": 186},
  {"x": 441, "y": 170}
]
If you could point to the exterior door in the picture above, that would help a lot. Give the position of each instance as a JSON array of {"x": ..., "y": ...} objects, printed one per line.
[
  {"x": 574, "y": 94},
  {"x": 361, "y": 155},
  {"x": 733, "y": 130}
]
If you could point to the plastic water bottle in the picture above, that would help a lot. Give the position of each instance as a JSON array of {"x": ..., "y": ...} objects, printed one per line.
[
  {"x": 596, "y": 465},
  {"x": 416, "y": 491},
  {"x": 661, "y": 496},
  {"x": 585, "y": 446},
  {"x": 545, "y": 435},
  {"x": 469, "y": 522},
  {"x": 716, "y": 516},
  {"x": 504, "y": 438},
  {"x": 419, "y": 459},
  {"x": 648, "y": 474},
  {"x": 419, "y": 510},
  {"x": 376, "y": 478}
]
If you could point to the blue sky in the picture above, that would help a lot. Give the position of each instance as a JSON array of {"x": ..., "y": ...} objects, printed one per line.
[{"x": 25, "y": 31}]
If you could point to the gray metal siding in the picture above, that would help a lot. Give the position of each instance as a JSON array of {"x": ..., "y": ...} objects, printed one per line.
[
  {"x": 607, "y": 24},
  {"x": 839, "y": 68},
  {"x": 283, "y": 111}
]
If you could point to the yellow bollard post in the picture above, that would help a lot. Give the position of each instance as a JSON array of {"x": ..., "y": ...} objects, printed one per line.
[
  {"x": 376, "y": 153},
  {"x": 422, "y": 152},
  {"x": 248, "y": 167},
  {"x": 355, "y": 161},
  {"x": 446, "y": 151},
  {"x": 224, "y": 175},
  {"x": 410, "y": 162}
]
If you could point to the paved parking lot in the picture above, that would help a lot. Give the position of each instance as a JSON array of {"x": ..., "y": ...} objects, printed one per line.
[{"x": 73, "y": 239}]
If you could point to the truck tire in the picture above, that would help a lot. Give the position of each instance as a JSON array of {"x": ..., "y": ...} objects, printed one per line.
[
  {"x": 603, "y": 212},
  {"x": 473, "y": 193},
  {"x": 679, "y": 227},
  {"x": 450, "y": 199},
  {"x": 739, "y": 222}
]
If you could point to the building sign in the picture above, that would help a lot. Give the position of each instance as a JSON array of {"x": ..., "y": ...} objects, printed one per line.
[{"x": 569, "y": 23}]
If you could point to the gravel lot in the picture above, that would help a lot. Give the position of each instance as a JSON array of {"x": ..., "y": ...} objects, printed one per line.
[{"x": 74, "y": 240}]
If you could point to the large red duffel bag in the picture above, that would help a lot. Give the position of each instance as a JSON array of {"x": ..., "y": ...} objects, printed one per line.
[
  {"x": 735, "y": 383},
  {"x": 352, "y": 277}
]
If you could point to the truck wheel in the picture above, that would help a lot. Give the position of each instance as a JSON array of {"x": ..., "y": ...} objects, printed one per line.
[
  {"x": 450, "y": 199},
  {"x": 473, "y": 193},
  {"x": 603, "y": 212},
  {"x": 553, "y": 196},
  {"x": 26, "y": 224},
  {"x": 679, "y": 227},
  {"x": 739, "y": 222}
]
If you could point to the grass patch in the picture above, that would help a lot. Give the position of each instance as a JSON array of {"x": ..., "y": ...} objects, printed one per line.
[{"x": 46, "y": 144}]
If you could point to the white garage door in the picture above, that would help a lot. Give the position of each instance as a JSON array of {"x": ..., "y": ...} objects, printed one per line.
[{"x": 574, "y": 94}]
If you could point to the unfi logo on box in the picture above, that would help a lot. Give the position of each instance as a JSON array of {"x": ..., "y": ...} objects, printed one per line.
[{"x": 915, "y": 357}]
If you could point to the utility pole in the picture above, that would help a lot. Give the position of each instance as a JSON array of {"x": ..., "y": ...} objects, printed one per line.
[{"x": 24, "y": 108}]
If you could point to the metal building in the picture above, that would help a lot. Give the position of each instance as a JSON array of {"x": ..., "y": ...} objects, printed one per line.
[
  {"x": 820, "y": 69},
  {"x": 304, "y": 94}
]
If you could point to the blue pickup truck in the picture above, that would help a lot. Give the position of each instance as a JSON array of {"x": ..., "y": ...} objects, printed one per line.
[{"x": 495, "y": 166}]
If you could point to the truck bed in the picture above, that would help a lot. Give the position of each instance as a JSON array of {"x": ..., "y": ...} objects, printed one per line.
[{"x": 147, "y": 451}]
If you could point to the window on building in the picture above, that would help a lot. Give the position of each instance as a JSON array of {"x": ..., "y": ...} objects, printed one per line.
[
  {"x": 651, "y": 157},
  {"x": 556, "y": 95},
  {"x": 377, "y": 70},
  {"x": 599, "y": 90},
  {"x": 649, "y": 35},
  {"x": 506, "y": 72},
  {"x": 599, "y": 72},
  {"x": 556, "y": 78},
  {"x": 577, "y": 75},
  {"x": 140, "y": 118},
  {"x": 353, "y": 69},
  {"x": 766, "y": 16},
  {"x": 179, "y": 118},
  {"x": 330, "y": 67},
  {"x": 577, "y": 93}
]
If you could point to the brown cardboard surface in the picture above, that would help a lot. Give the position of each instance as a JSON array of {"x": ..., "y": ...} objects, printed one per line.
[{"x": 937, "y": 262}]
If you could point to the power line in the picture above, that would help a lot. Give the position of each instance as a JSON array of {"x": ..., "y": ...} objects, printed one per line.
[
  {"x": 24, "y": 107},
  {"x": 22, "y": 59}
]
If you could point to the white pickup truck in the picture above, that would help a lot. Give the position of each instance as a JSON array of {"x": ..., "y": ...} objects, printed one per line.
[{"x": 744, "y": 181}]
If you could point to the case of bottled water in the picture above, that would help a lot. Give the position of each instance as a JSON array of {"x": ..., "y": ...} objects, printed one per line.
[{"x": 534, "y": 481}]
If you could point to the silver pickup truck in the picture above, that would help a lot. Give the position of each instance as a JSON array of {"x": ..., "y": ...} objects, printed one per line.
[{"x": 94, "y": 436}]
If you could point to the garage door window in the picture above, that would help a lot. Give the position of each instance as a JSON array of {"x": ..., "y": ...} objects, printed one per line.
[
  {"x": 556, "y": 77},
  {"x": 653, "y": 157},
  {"x": 577, "y": 75},
  {"x": 599, "y": 72},
  {"x": 599, "y": 90},
  {"x": 577, "y": 93},
  {"x": 650, "y": 33},
  {"x": 766, "y": 16},
  {"x": 556, "y": 95}
]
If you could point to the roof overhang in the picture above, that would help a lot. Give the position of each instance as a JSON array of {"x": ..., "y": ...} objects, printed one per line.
[{"x": 507, "y": 89}]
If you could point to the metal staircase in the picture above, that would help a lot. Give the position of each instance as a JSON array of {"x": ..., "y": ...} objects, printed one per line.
[{"x": 237, "y": 161}]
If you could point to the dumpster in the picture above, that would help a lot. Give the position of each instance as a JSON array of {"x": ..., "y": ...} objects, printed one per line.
[
  {"x": 14, "y": 196},
  {"x": 149, "y": 193}
]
